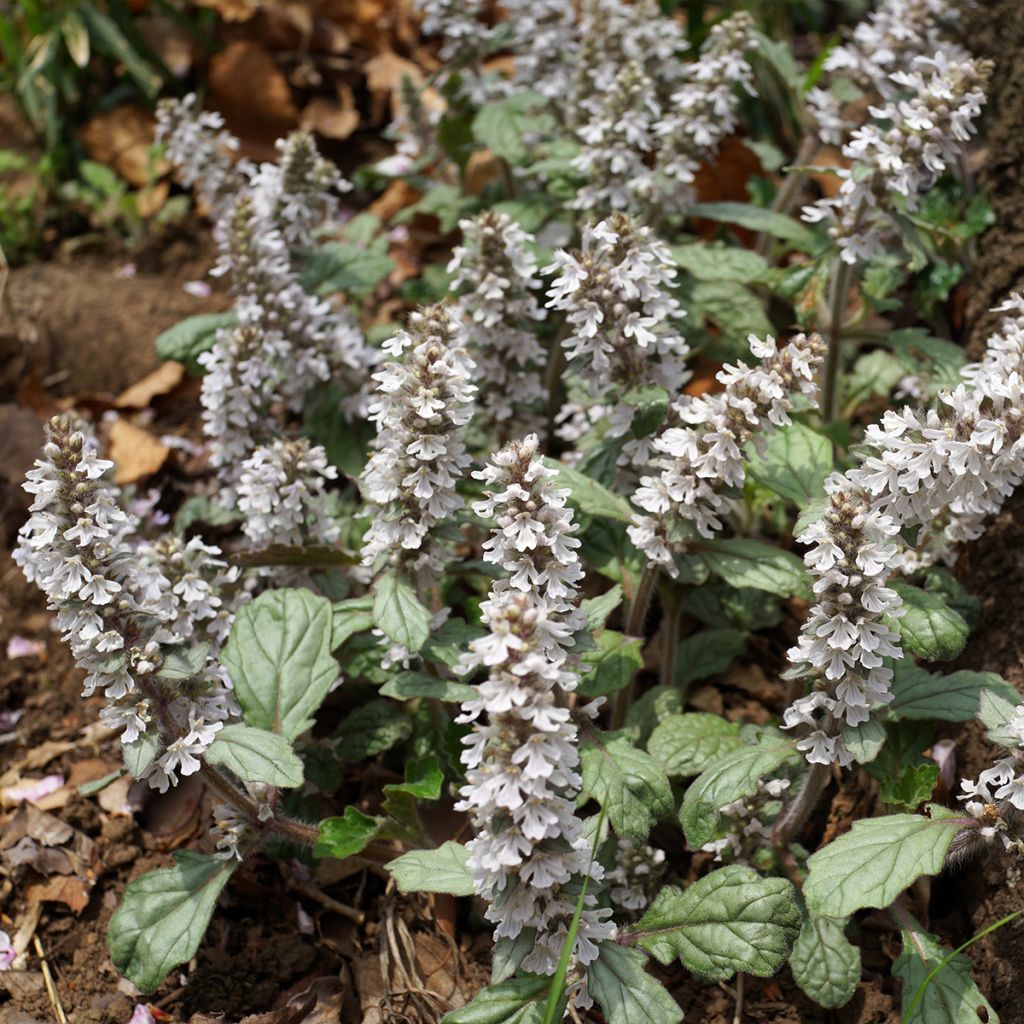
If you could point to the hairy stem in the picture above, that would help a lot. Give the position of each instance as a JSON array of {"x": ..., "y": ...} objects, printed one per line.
[
  {"x": 673, "y": 612},
  {"x": 798, "y": 810},
  {"x": 789, "y": 190},
  {"x": 635, "y": 627},
  {"x": 837, "y": 309}
]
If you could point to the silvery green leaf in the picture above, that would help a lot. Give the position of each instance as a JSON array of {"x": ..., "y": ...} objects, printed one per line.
[
  {"x": 730, "y": 777},
  {"x": 516, "y": 1001},
  {"x": 588, "y": 495},
  {"x": 189, "y": 338},
  {"x": 870, "y": 865},
  {"x": 597, "y": 609},
  {"x": 611, "y": 665},
  {"x": 928, "y": 627},
  {"x": 793, "y": 463},
  {"x": 924, "y": 695},
  {"x": 350, "y": 617},
  {"x": 752, "y": 563},
  {"x": 444, "y": 869},
  {"x": 825, "y": 964},
  {"x": 864, "y": 741},
  {"x": 685, "y": 744},
  {"x": 950, "y": 997},
  {"x": 413, "y": 685},
  {"x": 256, "y": 755},
  {"x": 760, "y": 219},
  {"x": 163, "y": 916},
  {"x": 653, "y": 707},
  {"x": 182, "y": 661},
  {"x": 996, "y": 712},
  {"x": 713, "y": 262},
  {"x": 626, "y": 782},
  {"x": 399, "y": 612},
  {"x": 138, "y": 755},
  {"x": 279, "y": 657},
  {"x": 508, "y": 954},
  {"x": 626, "y": 992},
  {"x": 708, "y": 652},
  {"x": 730, "y": 920}
]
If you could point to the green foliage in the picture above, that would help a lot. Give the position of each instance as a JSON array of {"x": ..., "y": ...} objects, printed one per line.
[
  {"x": 752, "y": 563},
  {"x": 794, "y": 463},
  {"x": 588, "y": 495},
  {"x": 398, "y": 612},
  {"x": 730, "y": 920},
  {"x": 346, "y": 835},
  {"x": 626, "y": 992},
  {"x": 825, "y": 964},
  {"x": 611, "y": 665},
  {"x": 256, "y": 755},
  {"x": 876, "y": 860},
  {"x": 191, "y": 337},
  {"x": 163, "y": 916},
  {"x": 626, "y": 782},
  {"x": 928, "y": 627},
  {"x": 442, "y": 870},
  {"x": 518, "y": 1001},
  {"x": 686, "y": 744},
  {"x": 279, "y": 657},
  {"x": 932, "y": 696}
]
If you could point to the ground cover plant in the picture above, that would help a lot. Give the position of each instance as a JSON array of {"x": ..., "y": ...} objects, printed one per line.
[{"x": 613, "y": 440}]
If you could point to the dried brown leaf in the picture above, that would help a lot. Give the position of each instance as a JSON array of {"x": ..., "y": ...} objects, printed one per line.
[
  {"x": 121, "y": 138},
  {"x": 164, "y": 379},
  {"x": 136, "y": 452}
]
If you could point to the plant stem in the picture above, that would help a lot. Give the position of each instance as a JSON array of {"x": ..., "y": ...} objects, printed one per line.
[
  {"x": 673, "y": 613},
  {"x": 789, "y": 189},
  {"x": 796, "y": 813},
  {"x": 837, "y": 308},
  {"x": 552, "y": 378},
  {"x": 635, "y": 628}
]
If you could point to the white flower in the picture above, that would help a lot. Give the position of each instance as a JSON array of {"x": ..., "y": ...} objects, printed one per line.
[
  {"x": 616, "y": 292},
  {"x": 281, "y": 494},
  {"x": 495, "y": 278},
  {"x": 521, "y": 759},
  {"x": 697, "y": 462},
  {"x": 424, "y": 400}
]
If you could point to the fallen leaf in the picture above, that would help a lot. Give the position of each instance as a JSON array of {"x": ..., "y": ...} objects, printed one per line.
[
  {"x": 397, "y": 196},
  {"x": 482, "y": 168},
  {"x": 136, "y": 453},
  {"x": 234, "y": 10},
  {"x": 31, "y": 790},
  {"x": 121, "y": 138},
  {"x": 248, "y": 88},
  {"x": 41, "y": 755},
  {"x": 170, "y": 40},
  {"x": 332, "y": 118},
  {"x": 164, "y": 379},
  {"x": 70, "y": 890},
  {"x": 23, "y": 647}
]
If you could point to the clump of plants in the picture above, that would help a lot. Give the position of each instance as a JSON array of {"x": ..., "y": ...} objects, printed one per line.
[{"x": 521, "y": 526}]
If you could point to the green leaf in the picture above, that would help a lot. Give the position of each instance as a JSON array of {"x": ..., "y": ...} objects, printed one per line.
[
  {"x": 730, "y": 920},
  {"x": 517, "y": 1001},
  {"x": 920, "y": 694},
  {"x": 996, "y": 713},
  {"x": 928, "y": 627},
  {"x": 324, "y": 421},
  {"x": 182, "y": 661},
  {"x": 588, "y": 495},
  {"x": 399, "y": 613},
  {"x": 752, "y": 563},
  {"x": 757, "y": 218},
  {"x": 423, "y": 779},
  {"x": 371, "y": 729},
  {"x": 653, "y": 707},
  {"x": 626, "y": 782},
  {"x": 876, "y": 373},
  {"x": 951, "y": 997},
  {"x": 793, "y": 463},
  {"x": 651, "y": 406},
  {"x": 442, "y": 870},
  {"x": 597, "y": 609},
  {"x": 715, "y": 262},
  {"x": 911, "y": 788},
  {"x": 98, "y": 785},
  {"x": 811, "y": 513},
  {"x": 612, "y": 665},
  {"x": 875, "y": 861},
  {"x": 502, "y": 125},
  {"x": 825, "y": 964},
  {"x": 626, "y": 992},
  {"x": 412, "y": 685},
  {"x": 685, "y": 744},
  {"x": 864, "y": 741},
  {"x": 508, "y": 954},
  {"x": 139, "y": 754},
  {"x": 279, "y": 658},
  {"x": 344, "y": 267},
  {"x": 730, "y": 777},
  {"x": 109, "y": 39},
  {"x": 734, "y": 308},
  {"x": 707, "y": 653},
  {"x": 350, "y": 617},
  {"x": 346, "y": 835},
  {"x": 255, "y": 755},
  {"x": 192, "y": 337},
  {"x": 163, "y": 916}
]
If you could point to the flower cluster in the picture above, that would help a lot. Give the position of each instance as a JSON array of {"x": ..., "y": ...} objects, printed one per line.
[
  {"x": 891, "y": 37},
  {"x": 697, "y": 463},
  {"x": 616, "y": 293},
  {"x": 75, "y": 547},
  {"x": 466, "y": 43},
  {"x": 495, "y": 278},
  {"x": 910, "y": 143},
  {"x": 197, "y": 144},
  {"x": 955, "y": 465},
  {"x": 546, "y": 44},
  {"x": 633, "y": 881},
  {"x": 530, "y": 853},
  {"x": 748, "y": 832},
  {"x": 424, "y": 400},
  {"x": 281, "y": 493},
  {"x": 704, "y": 110}
]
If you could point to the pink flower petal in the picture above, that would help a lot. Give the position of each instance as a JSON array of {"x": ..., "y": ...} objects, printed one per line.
[
  {"x": 22, "y": 647},
  {"x": 32, "y": 790},
  {"x": 200, "y": 289}
]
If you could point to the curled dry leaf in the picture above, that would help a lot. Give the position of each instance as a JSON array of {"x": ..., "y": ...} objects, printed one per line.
[
  {"x": 333, "y": 118},
  {"x": 164, "y": 379},
  {"x": 136, "y": 452},
  {"x": 251, "y": 92}
]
